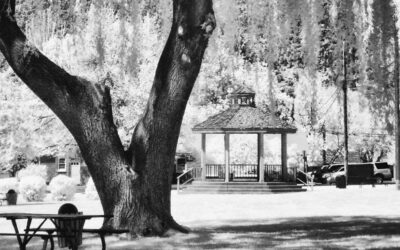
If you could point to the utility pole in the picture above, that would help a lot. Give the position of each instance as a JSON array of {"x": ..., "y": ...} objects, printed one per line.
[
  {"x": 346, "y": 137},
  {"x": 397, "y": 114}
]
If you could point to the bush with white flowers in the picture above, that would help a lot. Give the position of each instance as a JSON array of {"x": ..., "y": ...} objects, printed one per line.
[
  {"x": 91, "y": 191},
  {"x": 33, "y": 170},
  {"x": 8, "y": 184},
  {"x": 62, "y": 188},
  {"x": 32, "y": 188}
]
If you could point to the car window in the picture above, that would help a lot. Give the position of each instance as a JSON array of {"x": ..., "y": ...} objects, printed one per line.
[
  {"x": 381, "y": 165},
  {"x": 334, "y": 168}
]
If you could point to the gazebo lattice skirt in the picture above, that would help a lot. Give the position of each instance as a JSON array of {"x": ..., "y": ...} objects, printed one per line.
[{"x": 272, "y": 172}]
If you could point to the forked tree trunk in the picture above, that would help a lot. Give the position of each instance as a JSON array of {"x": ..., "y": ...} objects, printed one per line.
[{"x": 135, "y": 185}]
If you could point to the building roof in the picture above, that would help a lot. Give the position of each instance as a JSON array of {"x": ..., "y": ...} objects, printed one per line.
[
  {"x": 244, "y": 119},
  {"x": 242, "y": 89}
]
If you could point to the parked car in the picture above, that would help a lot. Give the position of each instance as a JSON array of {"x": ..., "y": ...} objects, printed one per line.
[
  {"x": 180, "y": 163},
  {"x": 317, "y": 172},
  {"x": 189, "y": 157},
  {"x": 361, "y": 172},
  {"x": 383, "y": 171},
  {"x": 328, "y": 171},
  {"x": 331, "y": 177}
]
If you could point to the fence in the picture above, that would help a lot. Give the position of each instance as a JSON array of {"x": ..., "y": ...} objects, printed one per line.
[
  {"x": 246, "y": 171},
  {"x": 215, "y": 171},
  {"x": 273, "y": 172}
]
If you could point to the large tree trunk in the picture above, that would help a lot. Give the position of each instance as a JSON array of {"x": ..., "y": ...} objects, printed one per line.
[{"x": 133, "y": 186}]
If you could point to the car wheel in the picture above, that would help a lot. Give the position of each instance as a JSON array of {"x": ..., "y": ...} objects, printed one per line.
[{"x": 379, "y": 179}]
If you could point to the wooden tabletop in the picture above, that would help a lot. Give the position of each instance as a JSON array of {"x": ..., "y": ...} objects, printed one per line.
[{"x": 51, "y": 216}]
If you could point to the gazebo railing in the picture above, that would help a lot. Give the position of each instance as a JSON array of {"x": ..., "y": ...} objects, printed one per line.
[
  {"x": 215, "y": 171},
  {"x": 244, "y": 171},
  {"x": 273, "y": 172},
  {"x": 309, "y": 179},
  {"x": 187, "y": 177}
]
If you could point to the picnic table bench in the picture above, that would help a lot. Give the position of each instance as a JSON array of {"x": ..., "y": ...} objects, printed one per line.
[
  {"x": 45, "y": 237},
  {"x": 3, "y": 198},
  {"x": 102, "y": 232},
  {"x": 72, "y": 234},
  {"x": 10, "y": 197}
]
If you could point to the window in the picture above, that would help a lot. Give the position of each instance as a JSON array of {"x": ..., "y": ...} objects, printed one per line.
[{"x": 61, "y": 164}]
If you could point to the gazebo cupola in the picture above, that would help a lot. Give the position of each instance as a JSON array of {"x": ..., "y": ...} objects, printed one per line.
[
  {"x": 243, "y": 96},
  {"x": 243, "y": 117}
]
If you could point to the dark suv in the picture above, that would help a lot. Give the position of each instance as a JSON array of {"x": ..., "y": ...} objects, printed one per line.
[{"x": 362, "y": 172}]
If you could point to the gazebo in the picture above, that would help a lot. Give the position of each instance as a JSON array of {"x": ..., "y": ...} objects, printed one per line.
[{"x": 243, "y": 117}]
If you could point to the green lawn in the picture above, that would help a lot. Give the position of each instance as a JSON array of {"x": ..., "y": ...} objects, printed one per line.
[{"x": 326, "y": 218}]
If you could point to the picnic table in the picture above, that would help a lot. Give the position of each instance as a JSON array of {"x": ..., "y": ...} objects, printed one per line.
[
  {"x": 28, "y": 233},
  {"x": 3, "y": 198}
]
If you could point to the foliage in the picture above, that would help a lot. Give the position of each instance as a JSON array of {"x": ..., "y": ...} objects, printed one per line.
[
  {"x": 243, "y": 149},
  {"x": 33, "y": 188},
  {"x": 27, "y": 127},
  {"x": 8, "y": 184},
  {"x": 62, "y": 188},
  {"x": 91, "y": 191},
  {"x": 289, "y": 52},
  {"x": 381, "y": 61},
  {"x": 63, "y": 31},
  {"x": 17, "y": 164},
  {"x": 33, "y": 170}
]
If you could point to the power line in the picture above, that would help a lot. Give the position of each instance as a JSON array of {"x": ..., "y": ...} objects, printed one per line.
[
  {"x": 329, "y": 99},
  {"x": 326, "y": 111},
  {"x": 330, "y": 105},
  {"x": 356, "y": 133}
]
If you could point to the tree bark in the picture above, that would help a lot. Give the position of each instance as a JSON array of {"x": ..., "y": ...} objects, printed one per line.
[{"x": 134, "y": 186}]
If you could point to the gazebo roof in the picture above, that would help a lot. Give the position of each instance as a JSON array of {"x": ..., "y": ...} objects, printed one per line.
[
  {"x": 242, "y": 89},
  {"x": 238, "y": 118}
]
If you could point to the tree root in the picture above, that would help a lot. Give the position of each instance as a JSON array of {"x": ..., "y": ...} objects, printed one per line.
[{"x": 175, "y": 226}]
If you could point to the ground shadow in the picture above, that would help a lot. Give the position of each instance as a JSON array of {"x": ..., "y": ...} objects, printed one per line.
[{"x": 295, "y": 233}]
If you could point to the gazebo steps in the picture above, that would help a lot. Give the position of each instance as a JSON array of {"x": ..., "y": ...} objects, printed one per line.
[
  {"x": 240, "y": 188},
  {"x": 242, "y": 192},
  {"x": 240, "y": 183}
]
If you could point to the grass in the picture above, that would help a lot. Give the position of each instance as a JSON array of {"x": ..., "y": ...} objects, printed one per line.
[{"x": 327, "y": 218}]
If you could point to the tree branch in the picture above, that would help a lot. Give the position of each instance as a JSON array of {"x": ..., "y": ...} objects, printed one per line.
[
  {"x": 8, "y": 7},
  {"x": 52, "y": 84},
  {"x": 84, "y": 108},
  {"x": 179, "y": 65}
]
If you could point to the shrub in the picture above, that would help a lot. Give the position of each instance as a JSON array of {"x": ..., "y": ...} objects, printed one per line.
[
  {"x": 33, "y": 170},
  {"x": 62, "y": 188},
  {"x": 32, "y": 188},
  {"x": 7, "y": 184},
  {"x": 91, "y": 191}
]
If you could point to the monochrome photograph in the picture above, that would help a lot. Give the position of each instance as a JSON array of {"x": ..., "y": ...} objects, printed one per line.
[{"x": 199, "y": 124}]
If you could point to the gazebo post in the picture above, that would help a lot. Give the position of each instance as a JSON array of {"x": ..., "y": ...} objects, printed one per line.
[
  {"x": 203, "y": 157},
  {"x": 260, "y": 144},
  {"x": 284, "y": 156},
  {"x": 226, "y": 140}
]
